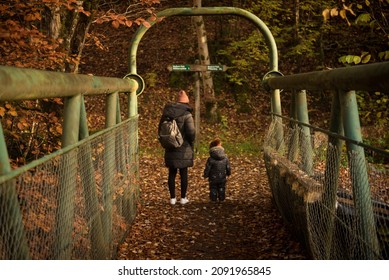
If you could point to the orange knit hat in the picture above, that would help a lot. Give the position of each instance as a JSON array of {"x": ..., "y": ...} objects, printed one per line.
[{"x": 182, "y": 97}]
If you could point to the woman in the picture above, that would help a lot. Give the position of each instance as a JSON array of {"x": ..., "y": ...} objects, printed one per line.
[{"x": 182, "y": 157}]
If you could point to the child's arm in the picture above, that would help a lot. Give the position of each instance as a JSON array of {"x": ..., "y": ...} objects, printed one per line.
[
  {"x": 228, "y": 168},
  {"x": 207, "y": 169}
]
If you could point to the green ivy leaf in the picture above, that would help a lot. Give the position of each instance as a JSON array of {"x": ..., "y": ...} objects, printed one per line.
[
  {"x": 363, "y": 18},
  {"x": 366, "y": 58},
  {"x": 349, "y": 59},
  {"x": 357, "y": 59}
]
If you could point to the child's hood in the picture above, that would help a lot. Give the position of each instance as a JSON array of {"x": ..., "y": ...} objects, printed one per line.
[{"x": 217, "y": 153}]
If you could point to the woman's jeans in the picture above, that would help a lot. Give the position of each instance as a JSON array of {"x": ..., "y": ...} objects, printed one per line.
[{"x": 172, "y": 181}]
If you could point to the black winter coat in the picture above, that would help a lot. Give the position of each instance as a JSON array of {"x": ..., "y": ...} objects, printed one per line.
[
  {"x": 218, "y": 166},
  {"x": 183, "y": 156}
]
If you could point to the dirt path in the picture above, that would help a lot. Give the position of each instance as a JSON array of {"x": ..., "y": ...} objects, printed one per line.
[{"x": 245, "y": 226}]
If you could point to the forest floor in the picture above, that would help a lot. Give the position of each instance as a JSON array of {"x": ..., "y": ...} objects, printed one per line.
[{"x": 247, "y": 224}]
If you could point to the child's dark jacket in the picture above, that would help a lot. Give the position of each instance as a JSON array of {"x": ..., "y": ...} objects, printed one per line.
[{"x": 218, "y": 166}]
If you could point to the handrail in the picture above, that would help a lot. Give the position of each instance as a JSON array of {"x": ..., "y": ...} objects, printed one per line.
[
  {"x": 22, "y": 84},
  {"x": 369, "y": 77},
  {"x": 345, "y": 122}
]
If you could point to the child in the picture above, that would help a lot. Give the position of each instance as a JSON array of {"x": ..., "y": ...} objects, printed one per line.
[{"x": 216, "y": 170}]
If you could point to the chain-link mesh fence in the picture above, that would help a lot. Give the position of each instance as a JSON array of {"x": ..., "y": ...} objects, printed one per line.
[
  {"x": 77, "y": 203},
  {"x": 316, "y": 186}
]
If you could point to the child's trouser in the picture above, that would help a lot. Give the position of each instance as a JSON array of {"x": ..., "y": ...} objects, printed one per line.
[{"x": 217, "y": 191}]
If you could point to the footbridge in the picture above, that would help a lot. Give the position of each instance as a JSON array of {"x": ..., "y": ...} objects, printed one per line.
[{"x": 79, "y": 202}]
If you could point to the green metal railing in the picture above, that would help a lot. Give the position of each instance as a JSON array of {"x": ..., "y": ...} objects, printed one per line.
[
  {"x": 87, "y": 190},
  {"x": 344, "y": 127}
]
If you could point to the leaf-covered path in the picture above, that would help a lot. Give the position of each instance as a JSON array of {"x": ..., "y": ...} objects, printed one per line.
[{"x": 245, "y": 226}]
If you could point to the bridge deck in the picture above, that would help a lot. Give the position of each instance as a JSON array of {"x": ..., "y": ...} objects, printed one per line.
[{"x": 246, "y": 226}]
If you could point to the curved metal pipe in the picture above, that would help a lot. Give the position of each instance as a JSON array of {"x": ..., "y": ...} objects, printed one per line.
[{"x": 206, "y": 11}]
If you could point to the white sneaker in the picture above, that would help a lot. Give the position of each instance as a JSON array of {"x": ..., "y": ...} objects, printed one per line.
[
  {"x": 173, "y": 201},
  {"x": 184, "y": 201}
]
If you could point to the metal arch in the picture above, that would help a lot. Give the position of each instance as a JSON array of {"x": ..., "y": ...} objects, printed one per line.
[{"x": 205, "y": 11}]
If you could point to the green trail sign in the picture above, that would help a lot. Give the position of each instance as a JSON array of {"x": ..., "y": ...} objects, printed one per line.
[
  {"x": 197, "y": 67},
  {"x": 180, "y": 67}
]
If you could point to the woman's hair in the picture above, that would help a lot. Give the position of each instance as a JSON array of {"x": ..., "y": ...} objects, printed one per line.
[{"x": 215, "y": 142}]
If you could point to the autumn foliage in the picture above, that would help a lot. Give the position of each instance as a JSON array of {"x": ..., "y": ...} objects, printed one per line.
[
  {"x": 49, "y": 35},
  {"x": 22, "y": 42}
]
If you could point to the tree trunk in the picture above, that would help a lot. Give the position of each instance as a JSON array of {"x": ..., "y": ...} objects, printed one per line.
[
  {"x": 297, "y": 40},
  {"x": 297, "y": 20},
  {"x": 72, "y": 26},
  {"x": 208, "y": 89},
  {"x": 197, "y": 110},
  {"x": 69, "y": 41},
  {"x": 55, "y": 22}
]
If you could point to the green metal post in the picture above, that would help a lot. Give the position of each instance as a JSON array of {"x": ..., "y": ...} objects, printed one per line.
[
  {"x": 131, "y": 194},
  {"x": 295, "y": 139},
  {"x": 331, "y": 174},
  {"x": 111, "y": 109},
  {"x": 72, "y": 116},
  {"x": 359, "y": 176},
  {"x": 68, "y": 182},
  {"x": 12, "y": 233},
  {"x": 121, "y": 162},
  {"x": 5, "y": 166},
  {"x": 84, "y": 131},
  {"x": 109, "y": 166},
  {"x": 118, "y": 111},
  {"x": 121, "y": 158},
  {"x": 132, "y": 104},
  {"x": 275, "y": 100},
  {"x": 99, "y": 248},
  {"x": 305, "y": 136}
]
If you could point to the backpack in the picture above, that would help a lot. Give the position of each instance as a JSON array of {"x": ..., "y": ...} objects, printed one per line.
[{"x": 169, "y": 135}]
